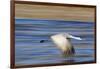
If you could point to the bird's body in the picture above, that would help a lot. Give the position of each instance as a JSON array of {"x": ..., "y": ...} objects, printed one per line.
[{"x": 63, "y": 44}]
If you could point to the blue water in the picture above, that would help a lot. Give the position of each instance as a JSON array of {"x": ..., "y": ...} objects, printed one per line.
[{"x": 29, "y": 32}]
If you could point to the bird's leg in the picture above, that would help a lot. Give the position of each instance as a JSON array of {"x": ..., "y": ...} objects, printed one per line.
[
  {"x": 73, "y": 50},
  {"x": 69, "y": 52}
]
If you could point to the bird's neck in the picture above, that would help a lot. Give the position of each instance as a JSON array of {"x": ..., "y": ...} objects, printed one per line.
[{"x": 69, "y": 42}]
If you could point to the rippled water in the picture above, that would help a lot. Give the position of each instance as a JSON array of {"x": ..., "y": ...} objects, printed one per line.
[{"x": 29, "y": 32}]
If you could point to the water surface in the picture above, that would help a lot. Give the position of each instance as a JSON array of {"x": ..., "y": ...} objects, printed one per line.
[{"x": 29, "y": 33}]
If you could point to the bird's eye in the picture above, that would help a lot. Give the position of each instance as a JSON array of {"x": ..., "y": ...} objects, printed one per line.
[{"x": 67, "y": 38}]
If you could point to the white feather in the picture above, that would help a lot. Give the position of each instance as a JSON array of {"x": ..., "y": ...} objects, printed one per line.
[{"x": 62, "y": 42}]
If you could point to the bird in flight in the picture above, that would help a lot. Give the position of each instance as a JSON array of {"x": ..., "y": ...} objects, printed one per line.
[{"x": 63, "y": 42}]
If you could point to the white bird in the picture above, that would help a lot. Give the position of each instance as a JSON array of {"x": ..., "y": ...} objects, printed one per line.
[{"x": 63, "y": 42}]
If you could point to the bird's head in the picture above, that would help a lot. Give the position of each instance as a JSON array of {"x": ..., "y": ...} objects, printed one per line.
[{"x": 69, "y": 36}]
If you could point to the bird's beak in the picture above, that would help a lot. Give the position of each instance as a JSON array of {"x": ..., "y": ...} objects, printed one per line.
[{"x": 77, "y": 38}]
